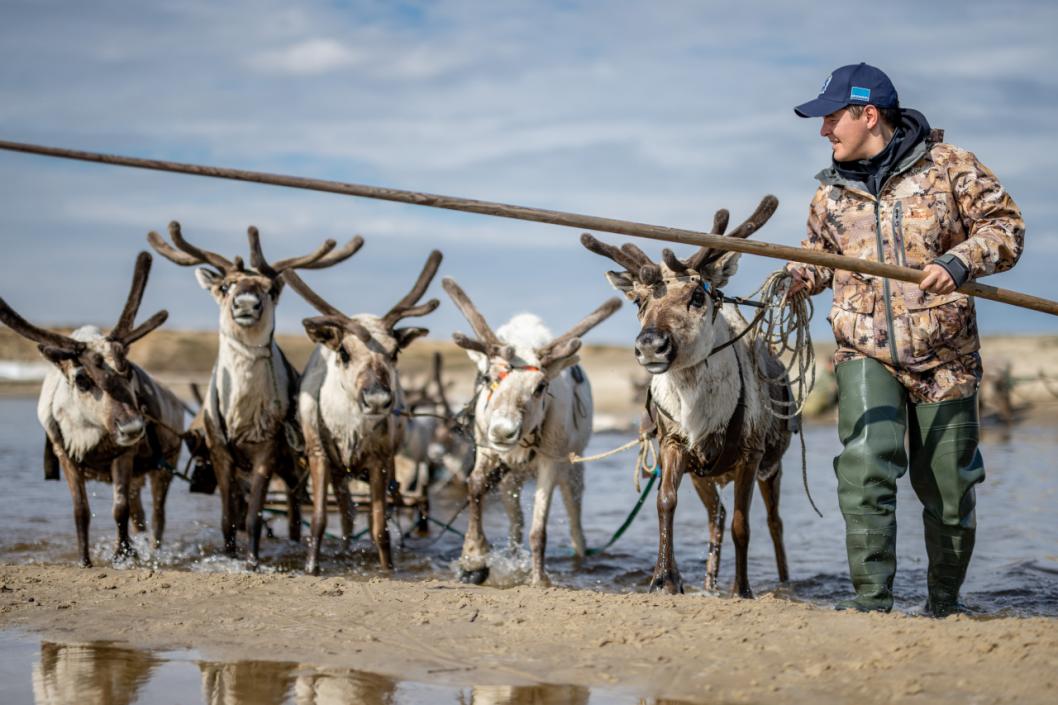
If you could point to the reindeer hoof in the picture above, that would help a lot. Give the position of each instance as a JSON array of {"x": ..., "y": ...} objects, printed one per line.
[
  {"x": 252, "y": 564},
  {"x": 86, "y": 562},
  {"x": 671, "y": 583},
  {"x": 474, "y": 577},
  {"x": 541, "y": 582},
  {"x": 745, "y": 593},
  {"x": 125, "y": 552}
]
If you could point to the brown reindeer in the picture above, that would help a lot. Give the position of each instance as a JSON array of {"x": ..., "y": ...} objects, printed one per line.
[
  {"x": 708, "y": 398},
  {"x": 249, "y": 412},
  {"x": 351, "y": 406},
  {"x": 105, "y": 418}
]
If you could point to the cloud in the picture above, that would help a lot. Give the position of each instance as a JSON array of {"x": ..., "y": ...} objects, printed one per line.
[{"x": 311, "y": 56}]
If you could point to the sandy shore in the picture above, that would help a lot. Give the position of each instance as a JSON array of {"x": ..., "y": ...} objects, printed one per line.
[{"x": 687, "y": 647}]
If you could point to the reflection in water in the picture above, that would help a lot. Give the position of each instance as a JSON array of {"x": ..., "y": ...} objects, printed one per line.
[
  {"x": 529, "y": 695},
  {"x": 90, "y": 673},
  {"x": 102, "y": 673},
  {"x": 319, "y": 686},
  {"x": 259, "y": 682}
]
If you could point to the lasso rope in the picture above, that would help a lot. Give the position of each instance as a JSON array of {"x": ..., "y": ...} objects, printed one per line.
[{"x": 784, "y": 329}]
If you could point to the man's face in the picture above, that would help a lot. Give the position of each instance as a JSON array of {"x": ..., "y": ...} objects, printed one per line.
[{"x": 849, "y": 136}]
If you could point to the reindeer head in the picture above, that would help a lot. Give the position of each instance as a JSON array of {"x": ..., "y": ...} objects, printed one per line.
[
  {"x": 362, "y": 350},
  {"x": 247, "y": 296},
  {"x": 100, "y": 388},
  {"x": 678, "y": 300},
  {"x": 517, "y": 365}
]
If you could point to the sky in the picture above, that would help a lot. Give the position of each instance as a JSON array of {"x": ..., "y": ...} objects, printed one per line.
[{"x": 654, "y": 112}]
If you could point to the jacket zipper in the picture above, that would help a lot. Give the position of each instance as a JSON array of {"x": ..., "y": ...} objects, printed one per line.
[{"x": 885, "y": 282}]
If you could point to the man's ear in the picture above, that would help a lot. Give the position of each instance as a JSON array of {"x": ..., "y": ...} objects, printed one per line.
[
  {"x": 207, "y": 278},
  {"x": 324, "y": 332},
  {"x": 404, "y": 336},
  {"x": 622, "y": 281}
]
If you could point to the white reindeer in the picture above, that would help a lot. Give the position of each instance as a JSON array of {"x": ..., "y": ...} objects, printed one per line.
[
  {"x": 351, "y": 406},
  {"x": 249, "y": 413},
  {"x": 534, "y": 409},
  {"x": 105, "y": 418},
  {"x": 707, "y": 398}
]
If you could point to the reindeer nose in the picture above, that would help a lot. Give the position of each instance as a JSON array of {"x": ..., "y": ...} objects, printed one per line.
[
  {"x": 130, "y": 431},
  {"x": 376, "y": 400},
  {"x": 504, "y": 431},
  {"x": 652, "y": 345}
]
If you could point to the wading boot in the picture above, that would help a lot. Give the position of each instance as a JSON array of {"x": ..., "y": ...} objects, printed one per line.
[
  {"x": 945, "y": 466},
  {"x": 872, "y": 419}
]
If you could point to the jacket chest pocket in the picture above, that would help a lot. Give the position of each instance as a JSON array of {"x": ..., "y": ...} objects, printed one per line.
[{"x": 921, "y": 228}]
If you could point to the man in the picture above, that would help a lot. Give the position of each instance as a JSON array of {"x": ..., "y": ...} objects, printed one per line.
[{"x": 907, "y": 359}]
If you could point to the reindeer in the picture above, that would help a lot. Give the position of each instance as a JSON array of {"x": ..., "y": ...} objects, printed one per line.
[
  {"x": 105, "y": 418},
  {"x": 707, "y": 400},
  {"x": 351, "y": 406},
  {"x": 533, "y": 409},
  {"x": 249, "y": 412}
]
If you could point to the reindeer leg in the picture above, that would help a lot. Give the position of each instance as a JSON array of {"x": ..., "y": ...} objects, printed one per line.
[
  {"x": 227, "y": 484},
  {"x": 319, "y": 471},
  {"x": 511, "y": 496},
  {"x": 571, "y": 483},
  {"x": 546, "y": 476},
  {"x": 288, "y": 471},
  {"x": 422, "y": 524},
  {"x": 121, "y": 476},
  {"x": 160, "y": 481},
  {"x": 136, "y": 513},
  {"x": 81, "y": 513},
  {"x": 262, "y": 475},
  {"x": 472, "y": 567},
  {"x": 769, "y": 490},
  {"x": 745, "y": 474},
  {"x": 378, "y": 475},
  {"x": 710, "y": 496},
  {"x": 666, "y": 575},
  {"x": 346, "y": 507}
]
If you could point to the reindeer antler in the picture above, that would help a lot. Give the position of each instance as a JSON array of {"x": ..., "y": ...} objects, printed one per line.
[
  {"x": 187, "y": 255},
  {"x": 557, "y": 348},
  {"x": 707, "y": 255},
  {"x": 487, "y": 341},
  {"x": 314, "y": 299},
  {"x": 437, "y": 362},
  {"x": 40, "y": 336},
  {"x": 321, "y": 257},
  {"x": 123, "y": 331},
  {"x": 406, "y": 308}
]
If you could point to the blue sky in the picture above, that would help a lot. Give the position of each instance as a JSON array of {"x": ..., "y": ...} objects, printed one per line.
[{"x": 659, "y": 112}]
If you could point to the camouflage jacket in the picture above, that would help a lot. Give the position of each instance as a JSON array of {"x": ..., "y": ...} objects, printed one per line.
[{"x": 939, "y": 199}]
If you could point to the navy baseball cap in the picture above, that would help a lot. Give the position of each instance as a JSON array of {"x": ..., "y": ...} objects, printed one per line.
[{"x": 855, "y": 84}]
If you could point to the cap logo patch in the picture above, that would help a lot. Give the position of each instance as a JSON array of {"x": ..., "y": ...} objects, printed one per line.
[
  {"x": 859, "y": 93},
  {"x": 826, "y": 84}
]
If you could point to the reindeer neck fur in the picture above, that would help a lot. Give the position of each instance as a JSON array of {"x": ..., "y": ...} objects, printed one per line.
[
  {"x": 251, "y": 385},
  {"x": 701, "y": 397}
]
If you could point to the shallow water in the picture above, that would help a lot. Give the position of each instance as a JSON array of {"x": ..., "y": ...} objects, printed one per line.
[
  {"x": 1014, "y": 571},
  {"x": 100, "y": 673}
]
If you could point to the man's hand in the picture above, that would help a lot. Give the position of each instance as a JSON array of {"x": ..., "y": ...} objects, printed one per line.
[
  {"x": 798, "y": 283},
  {"x": 937, "y": 280}
]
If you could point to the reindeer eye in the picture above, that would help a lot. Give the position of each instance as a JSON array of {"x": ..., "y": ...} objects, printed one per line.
[
  {"x": 539, "y": 389},
  {"x": 343, "y": 355},
  {"x": 82, "y": 381},
  {"x": 223, "y": 288},
  {"x": 698, "y": 297}
]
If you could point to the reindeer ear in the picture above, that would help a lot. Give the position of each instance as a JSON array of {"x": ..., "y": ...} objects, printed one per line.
[
  {"x": 622, "y": 281},
  {"x": 324, "y": 332},
  {"x": 404, "y": 336},
  {"x": 562, "y": 357},
  {"x": 55, "y": 355},
  {"x": 720, "y": 273},
  {"x": 207, "y": 278}
]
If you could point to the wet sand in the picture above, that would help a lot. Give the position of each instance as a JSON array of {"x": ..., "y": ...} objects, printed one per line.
[{"x": 691, "y": 647}]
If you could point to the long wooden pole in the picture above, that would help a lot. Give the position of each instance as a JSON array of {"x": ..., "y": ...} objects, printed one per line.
[{"x": 540, "y": 215}]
